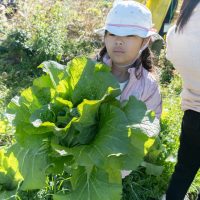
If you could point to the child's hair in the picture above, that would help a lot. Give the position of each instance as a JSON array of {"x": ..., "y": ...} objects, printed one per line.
[{"x": 186, "y": 11}]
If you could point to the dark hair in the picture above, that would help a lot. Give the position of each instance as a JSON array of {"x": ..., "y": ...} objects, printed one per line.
[
  {"x": 145, "y": 59},
  {"x": 186, "y": 11}
]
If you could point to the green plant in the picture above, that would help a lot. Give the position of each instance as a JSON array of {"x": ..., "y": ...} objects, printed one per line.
[
  {"x": 54, "y": 30},
  {"x": 165, "y": 68},
  {"x": 140, "y": 185},
  {"x": 66, "y": 119},
  {"x": 17, "y": 48}
]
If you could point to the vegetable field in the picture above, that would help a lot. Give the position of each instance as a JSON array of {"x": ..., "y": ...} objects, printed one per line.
[{"x": 63, "y": 133}]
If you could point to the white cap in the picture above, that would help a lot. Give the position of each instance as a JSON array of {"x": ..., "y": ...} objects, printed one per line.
[{"x": 128, "y": 18}]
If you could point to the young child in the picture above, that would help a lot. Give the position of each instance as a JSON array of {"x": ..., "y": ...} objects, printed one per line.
[{"x": 127, "y": 33}]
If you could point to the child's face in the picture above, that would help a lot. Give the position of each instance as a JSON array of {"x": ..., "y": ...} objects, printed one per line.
[{"x": 122, "y": 49}]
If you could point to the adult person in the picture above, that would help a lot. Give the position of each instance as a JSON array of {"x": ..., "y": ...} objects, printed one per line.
[{"x": 183, "y": 50}]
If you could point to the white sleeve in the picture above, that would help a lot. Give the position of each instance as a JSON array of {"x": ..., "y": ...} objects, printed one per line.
[{"x": 169, "y": 43}]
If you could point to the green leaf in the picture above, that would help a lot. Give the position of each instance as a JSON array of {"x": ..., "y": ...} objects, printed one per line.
[
  {"x": 136, "y": 151},
  {"x": 140, "y": 119},
  {"x": 92, "y": 185},
  {"x": 54, "y": 70},
  {"x": 43, "y": 82},
  {"x": 86, "y": 124},
  {"x": 44, "y": 114},
  {"x": 141, "y": 125},
  {"x": 31, "y": 100},
  {"x": 152, "y": 169},
  {"x": 33, "y": 163},
  {"x": 10, "y": 176},
  {"x": 83, "y": 127},
  {"x": 111, "y": 138},
  {"x": 8, "y": 195},
  {"x": 85, "y": 78}
]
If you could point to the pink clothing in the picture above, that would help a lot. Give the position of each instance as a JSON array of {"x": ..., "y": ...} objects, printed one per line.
[{"x": 145, "y": 89}]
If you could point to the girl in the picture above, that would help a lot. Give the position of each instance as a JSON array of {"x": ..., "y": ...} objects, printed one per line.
[
  {"x": 183, "y": 51},
  {"x": 127, "y": 33}
]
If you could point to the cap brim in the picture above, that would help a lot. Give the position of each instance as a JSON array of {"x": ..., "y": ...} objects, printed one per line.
[{"x": 125, "y": 31}]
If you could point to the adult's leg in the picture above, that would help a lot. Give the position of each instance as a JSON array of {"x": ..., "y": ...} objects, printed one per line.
[{"x": 188, "y": 157}]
